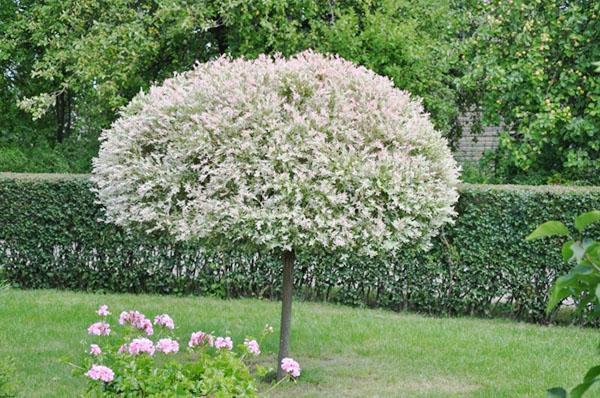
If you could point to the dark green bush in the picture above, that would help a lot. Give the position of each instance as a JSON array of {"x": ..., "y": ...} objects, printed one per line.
[{"x": 50, "y": 237}]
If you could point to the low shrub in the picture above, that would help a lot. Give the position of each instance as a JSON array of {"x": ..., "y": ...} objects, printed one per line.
[{"x": 50, "y": 237}]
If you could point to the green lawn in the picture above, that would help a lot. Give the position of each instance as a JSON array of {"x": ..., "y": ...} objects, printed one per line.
[{"x": 344, "y": 352}]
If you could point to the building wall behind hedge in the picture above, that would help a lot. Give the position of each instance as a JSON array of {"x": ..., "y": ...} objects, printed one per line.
[{"x": 51, "y": 237}]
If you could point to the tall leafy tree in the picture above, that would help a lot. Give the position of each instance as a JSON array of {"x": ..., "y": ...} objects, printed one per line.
[
  {"x": 71, "y": 64},
  {"x": 529, "y": 66},
  {"x": 87, "y": 58}
]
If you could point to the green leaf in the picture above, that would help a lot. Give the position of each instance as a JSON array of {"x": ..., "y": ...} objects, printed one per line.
[
  {"x": 592, "y": 253},
  {"x": 594, "y": 371},
  {"x": 567, "y": 251},
  {"x": 557, "y": 392},
  {"x": 571, "y": 284},
  {"x": 580, "y": 389},
  {"x": 586, "y": 219},
  {"x": 550, "y": 228}
]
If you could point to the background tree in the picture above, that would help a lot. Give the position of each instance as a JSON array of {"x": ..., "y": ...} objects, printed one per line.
[
  {"x": 529, "y": 67},
  {"x": 72, "y": 64},
  {"x": 281, "y": 156}
]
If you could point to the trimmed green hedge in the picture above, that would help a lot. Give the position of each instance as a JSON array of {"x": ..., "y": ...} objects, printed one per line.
[{"x": 50, "y": 237}]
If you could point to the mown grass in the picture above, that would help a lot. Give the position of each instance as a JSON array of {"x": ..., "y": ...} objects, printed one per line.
[{"x": 344, "y": 352}]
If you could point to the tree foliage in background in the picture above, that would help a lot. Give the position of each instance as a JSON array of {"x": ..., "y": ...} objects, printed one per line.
[
  {"x": 529, "y": 66},
  {"x": 71, "y": 64}
]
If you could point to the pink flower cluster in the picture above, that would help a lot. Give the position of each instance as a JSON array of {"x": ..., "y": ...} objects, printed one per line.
[
  {"x": 201, "y": 338},
  {"x": 99, "y": 329},
  {"x": 252, "y": 346},
  {"x": 291, "y": 367},
  {"x": 140, "y": 346},
  {"x": 103, "y": 310},
  {"x": 167, "y": 346},
  {"x": 164, "y": 320},
  {"x": 99, "y": 372},
  {"x": 95, "y": 350},
  {"x": 223, "y": 343},
  {"x": 143, "y": 345},
  {"x": 137, "y": 320}
]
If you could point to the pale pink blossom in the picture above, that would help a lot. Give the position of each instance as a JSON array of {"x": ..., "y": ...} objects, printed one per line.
[
  {"x": 140, "y": 346},
  {"x": 201, "y": 338},
  {"x": 103, "y": 310},
  {"x": 102, "y": 373},
  {"x": 252, "y": 346},
  {"x": 137, "y": 320},
  {"x": 167, "y": 346},
  {"x": 147, "y": 327},
  {"x": 99, "y": 329},
  {"x": 164, "y": 320},
  {"x": 223, "y": 343},
  {"x": 123, "y": 349},
  {"x": 291, "y": 367},
  {"x": 95, "y": 350}
]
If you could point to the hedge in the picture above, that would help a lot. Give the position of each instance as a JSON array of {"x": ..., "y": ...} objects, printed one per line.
[{"x": 51, "y": 237}]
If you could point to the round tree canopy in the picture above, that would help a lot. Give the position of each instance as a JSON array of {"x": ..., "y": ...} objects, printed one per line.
[{"x": 310, "y": 152}]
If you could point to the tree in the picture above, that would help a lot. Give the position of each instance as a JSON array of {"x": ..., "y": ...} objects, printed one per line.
[
  {"x": 283, "y": 156},
  {"x": 72, "y": 64},
  {"x": 529, "y": 67}
]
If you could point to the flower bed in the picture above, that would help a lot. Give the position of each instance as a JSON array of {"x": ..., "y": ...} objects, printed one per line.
[{"x": 141, "y": 357}]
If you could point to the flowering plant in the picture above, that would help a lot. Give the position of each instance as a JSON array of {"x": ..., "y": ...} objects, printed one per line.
[{"x": 144, "y": 358}]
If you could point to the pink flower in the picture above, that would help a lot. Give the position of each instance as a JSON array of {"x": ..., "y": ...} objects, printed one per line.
[
  {"x": 95, "y": 350},
  {"x": 124, "y": 317},
  {"x": 137, "y": 320},
  {"x": 164, "y": 320},
  {"x": 147, "y": 327},
  {"x": 99, "y": 372},
  {"x": 103, "y": 310},
  {"x": 140, "y": 346},
  {"x": 200, "y": 338},
  {"x": 99, "y": 329},
  {"x": 123, "y": 349},
  {"x": 252, "y": 346},
  {"x": 167, "y": 346},
  {"x": 291, "y": 367},
  {"x": 223, "y": 343}
]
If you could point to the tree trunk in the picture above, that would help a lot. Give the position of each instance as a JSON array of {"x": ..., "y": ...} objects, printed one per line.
[
  {"x": 286, "y": 310},
  {"x": 60, "y": 118},
  {"x": 63, "y": 115}
]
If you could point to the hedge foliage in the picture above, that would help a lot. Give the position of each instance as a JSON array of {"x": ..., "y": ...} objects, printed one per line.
[{"x": 51, "y": 237}]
